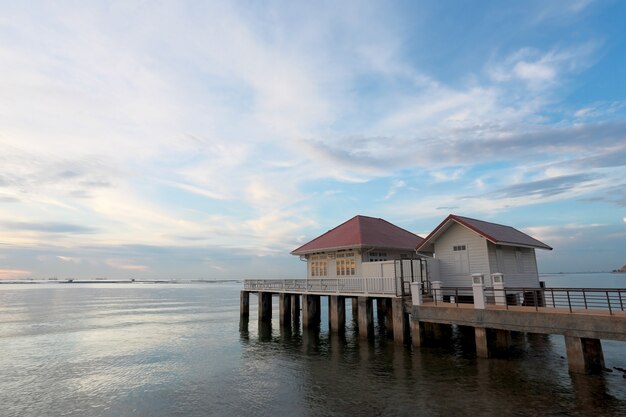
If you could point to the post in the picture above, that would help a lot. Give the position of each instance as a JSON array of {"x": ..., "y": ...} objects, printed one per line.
[
  {"x": 284, "y": 309},
  {"x": 265, "y": 306},
  {"x": 498, "y": 288},
  {"x": 244, "y": 305},
  {"x": 437, "y": 294},
  {"x": 400, "y": 325},
  {"x": 295, "y": 308},
  {"x": 337, "y": 313},
  {"x": 416, "y": 294},
  {"x": 417, "y": 333},
  {"x": 380, "y": 309},
  {"x": 310, "y": 310},
  {"x": 584, "y": 356},
  {"x": 482, "y": 344},
  {"x": 389, "y": 316},
  {"x": 366, "y": 317},
  {"x": 478, "y": 287}
]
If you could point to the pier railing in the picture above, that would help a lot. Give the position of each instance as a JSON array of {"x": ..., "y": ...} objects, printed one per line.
[
  {"x": 341, "y": 286},
  {"x": 573, "y": 299}
]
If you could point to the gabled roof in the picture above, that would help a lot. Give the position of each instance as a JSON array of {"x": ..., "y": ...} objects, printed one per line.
[
  {"x": 362, "y": 232},
  {"x": 498, "y": 234}
]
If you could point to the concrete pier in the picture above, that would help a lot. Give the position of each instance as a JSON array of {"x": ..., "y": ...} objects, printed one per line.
[
  {"x": 482, "y": 342},
  {"x": 244, "y": 305},
  {"x": 366, "y": 317},
  {"x": 284, "y": 309},
  {"x": 265, "y": 306},
  {"x": 337, "y": 313},
  {"x": 310, "y": 310},
  {"x": 584, "y": 355},
  {"x": 295, "y": 309},
  {"x": 400, "y": 321},
  {"x": 389, "y": 316}
]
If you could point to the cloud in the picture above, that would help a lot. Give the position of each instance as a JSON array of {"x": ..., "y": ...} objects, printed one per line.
[
  {"x": 51, "y": 227},
  {"x": 14, "y": 273},
  {"x": 126, "y": 264},
  {"x": 546, "y": 187}
]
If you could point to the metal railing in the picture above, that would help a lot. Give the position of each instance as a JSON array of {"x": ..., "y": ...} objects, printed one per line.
[
  {"x": 355, "y": 285},
  {"x": 572, "y": 299}
]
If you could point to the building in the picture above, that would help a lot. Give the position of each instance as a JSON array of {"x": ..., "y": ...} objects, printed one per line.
[
  {"x": 465, "y": 246},
  {"x": 361, "y": 246}
]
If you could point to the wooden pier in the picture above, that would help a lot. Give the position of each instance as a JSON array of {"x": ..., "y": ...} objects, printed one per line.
[{"x": 582, "y": 316}]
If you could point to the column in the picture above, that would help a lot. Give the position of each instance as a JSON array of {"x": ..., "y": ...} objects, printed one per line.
[
  {"x": 482, "y": 344},
  {"x": 389, "y": 316},
  {"x": 355, "y": 308},
  {"x": 498, "y": 289},
  {"x": 478, "y": 287},
  {"x": 366, "y": 317},
  {"x": 417, "y": 333},
  {"x": 284, "y": 309},
  {"x": 244, "y": 305},
  {"x": 337, "y": 313},
  {"x": 584, "y": 356},
  {"x": 400, "y": 325},
  {"x": 265, "y": 306},
  {"x": 295, "y": 309},
  {"x": 310, "y": 310}
]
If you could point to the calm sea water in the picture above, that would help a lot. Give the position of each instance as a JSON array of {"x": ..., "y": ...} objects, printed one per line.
[{"x": 180, "y": 350}]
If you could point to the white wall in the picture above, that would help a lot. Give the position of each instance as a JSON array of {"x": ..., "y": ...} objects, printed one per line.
[
  {"x": 520, "y": 272},
  {"x": 456, "y": 267}
]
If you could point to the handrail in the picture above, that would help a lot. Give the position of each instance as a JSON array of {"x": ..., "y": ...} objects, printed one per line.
[
  {"x": 573, "y": 299},
  {"x": 348, "y": 285}
]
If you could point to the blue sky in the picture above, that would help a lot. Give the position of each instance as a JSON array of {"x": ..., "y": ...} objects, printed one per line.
[{"x": 207, "y": 140}]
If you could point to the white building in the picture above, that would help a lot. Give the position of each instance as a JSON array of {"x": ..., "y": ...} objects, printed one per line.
[
  {"x": 465, "y": 246},
  {"x": 360, "y": 247}
]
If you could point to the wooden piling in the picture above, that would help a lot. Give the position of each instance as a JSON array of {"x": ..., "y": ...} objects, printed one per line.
[
  {"x": 337, "y": 313},
  {"x": 366, "y": 317},
  {"x": 244, "y": 305},
  {"x": 265, "y": 306}
]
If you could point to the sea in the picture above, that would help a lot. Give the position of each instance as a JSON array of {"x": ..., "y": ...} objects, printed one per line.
[{"x": 180, "y": 349}]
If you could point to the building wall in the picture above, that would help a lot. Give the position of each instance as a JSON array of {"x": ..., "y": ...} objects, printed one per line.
[
  {"x": 360, "y": 258},
  {"x": 456, "y": 266},
  {"x": 519, "y": 265}
]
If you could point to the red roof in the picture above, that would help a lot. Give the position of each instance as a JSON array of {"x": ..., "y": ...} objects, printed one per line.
[
  {"x": 498, "y": 234},
  {"x": 362, "y": 232}
]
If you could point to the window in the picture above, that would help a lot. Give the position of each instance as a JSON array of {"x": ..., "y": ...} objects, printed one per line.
[
  {"x": 377, "y": 256},
  {"x": 346, "y": 264},
  {"x": 458, "y": 248},
  {"x": 318, "y": 266}
]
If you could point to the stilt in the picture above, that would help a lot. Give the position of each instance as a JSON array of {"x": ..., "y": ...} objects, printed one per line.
[
  {"x": 366, "y": 317},
  {"x": 482, "y": 345},
  {"x": 501, "y": 339},
  {"x": 380, "y": 310},
  {"x": 310, "y": 310},
  {"x": 584, "y": 356},
  {"x": 355, "y": 308},
  {"x": 295, "y": 309},
  {"x": 417, "y": 333},
  {"x": 244, "y": 305},
  {"x": 400, "y": 322},
  {"x": 284, "y": 309},
  {"x": 265, "y": 306},
  {"x": 337, "y": 313}
]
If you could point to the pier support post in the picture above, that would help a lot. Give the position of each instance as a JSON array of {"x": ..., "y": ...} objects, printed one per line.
[
  {"x": 380, "y": 310},
  {"x": 310, "y": 310},
  {"x": 265, "y": 306},
  {"x": 337, "y": 313},
  {"x": 284, "y": 309},
  {"x": 366, "y": 317},
  {"x": 244, "y": 305},
  {"x": 501, "y": 339},
  {"x": 355, "y": 308},
  {"x": 295, "y": 309},
  {"x": 417, "y": 333},
  {"x": 482, "y": 343},
  {"x": 400, "y": 322},
  {"x": 584, "y": 356}
]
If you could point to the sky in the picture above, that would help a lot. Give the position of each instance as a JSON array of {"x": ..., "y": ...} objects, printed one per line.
[{"x": 159, "y": 139}]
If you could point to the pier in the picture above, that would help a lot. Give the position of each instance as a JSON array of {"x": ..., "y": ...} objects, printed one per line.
[{"x": 418, "y": 314}]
